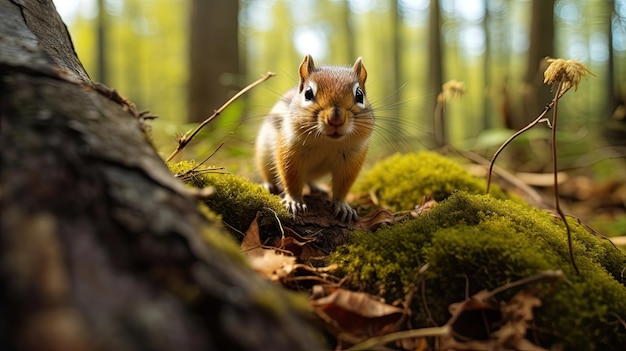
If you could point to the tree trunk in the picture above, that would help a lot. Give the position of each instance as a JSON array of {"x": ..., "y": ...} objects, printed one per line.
[
  {"x": 488, "y": 61},
  {"x": 435, "y": 59},
  {"x": 394, "y": 80},
  {"x": 213, "y": 56},
  {"x": 100, "y": 247},
  {"x": 537, "y": 94},
  {"x": 612, "y": 89},
  {"x": 101, "y": 46}
]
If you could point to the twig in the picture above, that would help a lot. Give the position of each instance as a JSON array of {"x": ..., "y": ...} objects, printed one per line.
[
  {"x": 564, "y": 74},
  {"x": 557, "y": 204},
  {"x": 541, "y": 118},
  {"x": 185, "y": 139},
  {"x": 191, "y": 172},
  {"x": 531, "y": 194},
  {"x": 446, "y": 329},
  {"x": 553, "y": 105},
  {"x": 370, "y": 343},
  {"x": 209, "y": 157},
  {"x": 556, "y": 274}
]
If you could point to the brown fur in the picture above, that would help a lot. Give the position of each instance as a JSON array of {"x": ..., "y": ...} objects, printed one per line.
[{"x": 303, "y": 139}]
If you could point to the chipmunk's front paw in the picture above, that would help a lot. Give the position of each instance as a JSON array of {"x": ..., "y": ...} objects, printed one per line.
[
  {"x": 295, "y": 206},
  {"x": 344, "y": 212}
]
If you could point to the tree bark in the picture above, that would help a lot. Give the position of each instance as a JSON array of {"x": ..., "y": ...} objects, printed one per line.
[{"x": 100, "y": 247}]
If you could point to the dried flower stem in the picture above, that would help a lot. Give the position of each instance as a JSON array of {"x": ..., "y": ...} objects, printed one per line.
[
  {"x": 538, "y": 120},
  {"x": 185, "y": 139},
  {"x": 557, "y": 204},
  {"x": 564, "y": 74},
  {"x": 449, "y": 90}
]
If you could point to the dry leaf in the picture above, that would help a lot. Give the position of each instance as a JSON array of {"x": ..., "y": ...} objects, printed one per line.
[
  {"x": 374, "y": 219},
  {"x": 272, "y": 265},
  {"x": 301, "y": 247},
  {"x": 357, "y": 313},
  {"x": 517, "y": 314},
  {"x": 475, "y": 318},
  {"x": 428, "y": 202},
  {"x": 479, "y": 323},
  {"x": 251, "y": 243}
]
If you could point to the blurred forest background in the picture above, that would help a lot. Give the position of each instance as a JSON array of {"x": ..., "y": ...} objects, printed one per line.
[{"x": 182, "y": 59}]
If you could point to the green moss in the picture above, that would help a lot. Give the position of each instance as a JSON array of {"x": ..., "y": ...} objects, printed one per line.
[
  {"x": 402, "y": 180},
  {"x": 236, "y": 199},
  {"x": 478, "y": 242}
]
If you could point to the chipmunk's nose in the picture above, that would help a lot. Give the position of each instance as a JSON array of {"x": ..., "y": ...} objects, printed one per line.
[{"x": 336, "y": 117}]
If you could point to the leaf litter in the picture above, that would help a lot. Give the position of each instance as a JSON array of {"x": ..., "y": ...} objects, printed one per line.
[{"x": 360, "y": 321}]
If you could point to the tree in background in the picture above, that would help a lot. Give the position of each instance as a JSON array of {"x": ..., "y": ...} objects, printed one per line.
[
  {"x": 541, "y": 45},
  {"x": 435, "y": 56},
  {"x": 214, "y": 63}
]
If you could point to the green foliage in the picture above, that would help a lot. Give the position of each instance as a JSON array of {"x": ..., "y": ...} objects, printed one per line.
[
  {"x": 401, "y": 181},
  {"x": 478, "y": 242},
  {"x": 236, "y": 199}
]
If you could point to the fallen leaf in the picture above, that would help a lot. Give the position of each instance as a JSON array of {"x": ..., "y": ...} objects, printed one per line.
[
  {"x": 428, "y": 202},
  {"x": 517, "y": 314},
  {"x": 374, "y": 219},
  {"x": 272, "y": 265},
  {"x": 251, "y": 243},
  {"x": 357, "y": 313},
  {"x": 475, "y": 318},
  {"x": 301, "y": 247},
  {"x": 480, "y": 323}
]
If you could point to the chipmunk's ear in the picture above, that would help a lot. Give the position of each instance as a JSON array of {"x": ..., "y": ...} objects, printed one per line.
[
  {"x": 306, "y": 67},
  {"x": 360, "y": 71}
]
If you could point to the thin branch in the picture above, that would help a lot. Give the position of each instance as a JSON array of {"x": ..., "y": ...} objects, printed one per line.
[
  {"x": 369, "y": 344},
  {"x": 446, "y": 330},
  {"x": 532, "y": 195},
  {"x": 557, "y": 203},
  {"x": 194, "y": 171},
  {"x": 185, "y": 139},
  {"x": 553, "y": 105},
  {"x": 538, "y": 120},
  {"x": 556, "y": 274}
]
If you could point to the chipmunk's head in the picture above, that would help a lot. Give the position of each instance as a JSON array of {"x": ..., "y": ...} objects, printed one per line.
[{"x": 335, "y": 100}]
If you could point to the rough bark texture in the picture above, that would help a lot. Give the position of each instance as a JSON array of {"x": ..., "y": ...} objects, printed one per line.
[{"x": 100, "y": 247}]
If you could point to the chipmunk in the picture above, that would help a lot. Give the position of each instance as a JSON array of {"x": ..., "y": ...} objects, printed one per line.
[{"x": 322, "y": 126}]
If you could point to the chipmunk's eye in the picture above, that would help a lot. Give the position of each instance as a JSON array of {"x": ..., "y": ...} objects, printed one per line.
[
  {"x": 308, "y": 94},
  {"x": 358, "y": 95}
]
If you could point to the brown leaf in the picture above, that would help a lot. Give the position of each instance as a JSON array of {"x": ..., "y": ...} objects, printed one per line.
[
  {"x": 374, "y": 219},
  {"x": 251, "y": 243},
  {"x": 481, "y": 323},
  {"x": 272, "y": 265},
  {"x": 428, "y": 202},
  {"x": 475, "y": 318},
  {"x": 301, "y": 247},
  {"x": 357, "y": 313},
  {"x": 517, "y": 313}
]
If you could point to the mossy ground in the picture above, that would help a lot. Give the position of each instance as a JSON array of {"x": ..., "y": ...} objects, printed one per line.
[
  {"x": 236, "y": 199},
  {"x": 479, "y": 242},
  {"x": 470, "y": 242},
  {"x": 401, "y": 181}
]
